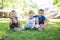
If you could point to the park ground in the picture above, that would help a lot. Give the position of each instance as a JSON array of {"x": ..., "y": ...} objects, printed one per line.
[{"x": 52, "y": 33}]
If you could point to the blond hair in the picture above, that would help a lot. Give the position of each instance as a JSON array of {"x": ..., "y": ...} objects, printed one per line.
[{"x": 12, "y": 12}]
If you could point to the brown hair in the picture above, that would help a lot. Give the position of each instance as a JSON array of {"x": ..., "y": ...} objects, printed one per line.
[
  {"x": 30, "y": 11},
  {"x": 41, "y": 10},
  {"x": 11, "y": 12}
]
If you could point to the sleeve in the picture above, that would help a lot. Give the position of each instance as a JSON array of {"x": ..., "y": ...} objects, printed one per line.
[
  {"x": 44, "y": 18},
  {"x": 17, "y": 18},
  {"x": 35, "y": 16},
  {"x": 10, "y": 19}
]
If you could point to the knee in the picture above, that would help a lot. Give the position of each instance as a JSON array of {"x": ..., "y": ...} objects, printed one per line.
[
  {"x": 10, "y": 22},
  {"x": 18, "y": 22}
]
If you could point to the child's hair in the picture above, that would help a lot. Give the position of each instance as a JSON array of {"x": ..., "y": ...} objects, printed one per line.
[
  {"x": 12, "y": 12},
  {"x": 30, "y": 12},
  {"x": 41, "y": 10}
]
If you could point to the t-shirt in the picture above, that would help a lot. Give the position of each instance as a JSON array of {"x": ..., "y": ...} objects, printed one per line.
[
  {"x": 14, "y": 25},
  {"x": 30, "y": 22},
  {"x": 41, "y": 18}
]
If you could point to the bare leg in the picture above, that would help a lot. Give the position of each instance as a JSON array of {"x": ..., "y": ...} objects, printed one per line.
[
  {"x": 44, "y": 25},
  {"x": 18, "y": 24}
]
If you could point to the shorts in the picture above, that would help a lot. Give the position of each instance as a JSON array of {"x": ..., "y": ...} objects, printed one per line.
[
  {"x": 26, "y": 27},
  {"x": 37, "y": 27},
  {"x": 41, "y": 22},
  {"x": 14, "y": 25}
]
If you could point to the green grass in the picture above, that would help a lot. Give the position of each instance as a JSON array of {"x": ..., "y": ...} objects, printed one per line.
[{"x": 52, "y": 33}]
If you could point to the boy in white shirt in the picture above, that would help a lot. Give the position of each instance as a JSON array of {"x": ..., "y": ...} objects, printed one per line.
[{"x": 30, "y": 21}]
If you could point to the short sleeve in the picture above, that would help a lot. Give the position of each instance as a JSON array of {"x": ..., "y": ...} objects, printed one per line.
[
  {"x": 10, "y": 19},
  {"x": 44, "y": 17},
  {"x": 35, "y": 16}
]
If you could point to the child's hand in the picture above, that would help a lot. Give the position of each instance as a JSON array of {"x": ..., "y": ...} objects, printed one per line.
[
  {"x": 14, "y": 20},
  {"x": 44, "y": 27},
  {"x": 32, "y": 26}
]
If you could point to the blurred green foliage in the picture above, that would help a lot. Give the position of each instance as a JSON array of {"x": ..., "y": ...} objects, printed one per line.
[
  {"x": 57, "y": 2},
  {"x": 18, "y": 4}
]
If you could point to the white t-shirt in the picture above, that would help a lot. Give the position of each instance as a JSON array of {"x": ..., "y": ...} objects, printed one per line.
[{"x": 30, "y": 22}]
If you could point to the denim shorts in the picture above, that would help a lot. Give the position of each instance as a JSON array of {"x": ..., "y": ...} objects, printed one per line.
[{"x": 14, "y": 25}]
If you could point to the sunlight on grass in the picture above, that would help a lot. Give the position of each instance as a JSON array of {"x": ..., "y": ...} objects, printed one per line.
[
  {"x": 51, "y": 33},
  {"x": 2, "y": 34}
]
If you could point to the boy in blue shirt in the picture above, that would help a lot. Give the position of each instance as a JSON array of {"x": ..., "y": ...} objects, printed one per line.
[{"x": 42, "y": 18}]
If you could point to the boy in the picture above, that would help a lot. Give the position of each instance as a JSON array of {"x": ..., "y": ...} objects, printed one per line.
[
  {"x": 42, "y": 18},
  {"x": 30, "y": 21},
  {"x": 14, "y": 22}
]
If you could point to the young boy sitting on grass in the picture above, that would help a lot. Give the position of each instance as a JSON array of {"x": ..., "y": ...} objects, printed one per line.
[
  {"x": 30, "y": 21},
  {"x": 42, "y": 19},
  {"x": 14, "y": 22}
]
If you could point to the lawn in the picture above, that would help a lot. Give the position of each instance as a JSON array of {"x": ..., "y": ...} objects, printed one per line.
[{"x": 52, "y": 33}]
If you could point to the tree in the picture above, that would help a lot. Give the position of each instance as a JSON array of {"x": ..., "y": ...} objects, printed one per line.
[
  {"x": 18, "y": 4},
  {"x": 57, "y": 2},
  {"x": 1, "y": 4}
]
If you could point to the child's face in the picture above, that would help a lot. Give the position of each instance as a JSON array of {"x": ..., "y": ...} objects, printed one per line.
[
  {"x": 31, "y": 15},
  {"x": 13, "y": 14},
  {"x": 41, "y": 13}
]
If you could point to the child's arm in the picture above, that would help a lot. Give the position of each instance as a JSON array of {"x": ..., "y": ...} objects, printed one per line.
[
  {"x": 14, "y": 20},
  {"x": 45, "y": 22},
  {"x": 34, "y": 23},
  {"x": 18, "y": 22}
]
